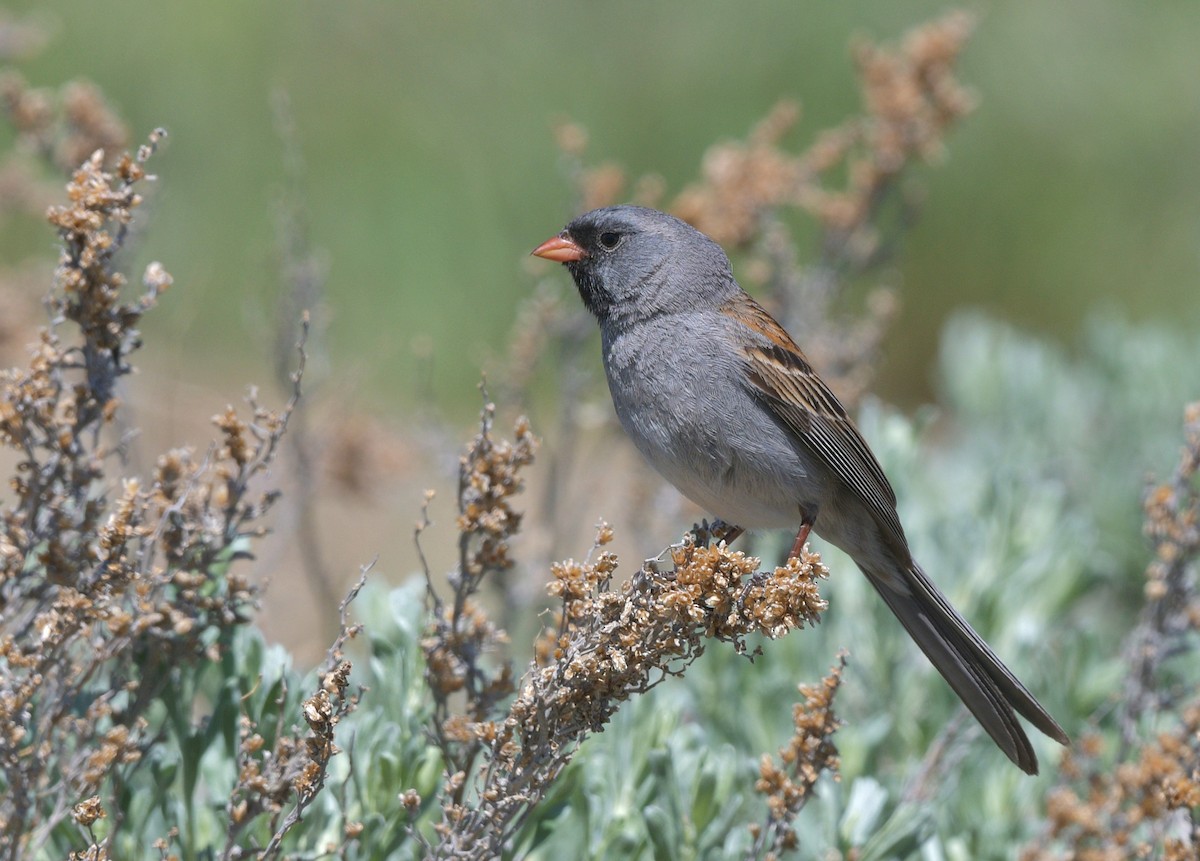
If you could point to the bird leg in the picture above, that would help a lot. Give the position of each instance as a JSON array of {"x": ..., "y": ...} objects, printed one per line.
[{"x": 801, "y": 537}]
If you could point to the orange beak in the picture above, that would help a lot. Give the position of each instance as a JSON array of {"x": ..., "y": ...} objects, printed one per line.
[{"x": 560, "y": 249}]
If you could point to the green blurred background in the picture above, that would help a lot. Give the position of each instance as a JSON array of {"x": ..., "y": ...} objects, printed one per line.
[{"x": 431, "y": 169}]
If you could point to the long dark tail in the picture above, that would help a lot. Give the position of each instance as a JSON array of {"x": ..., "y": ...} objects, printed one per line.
[{"x": 982, "y": 682}]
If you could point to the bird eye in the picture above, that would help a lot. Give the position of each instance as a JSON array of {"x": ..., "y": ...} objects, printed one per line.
[{"x": 609, "y": 240}]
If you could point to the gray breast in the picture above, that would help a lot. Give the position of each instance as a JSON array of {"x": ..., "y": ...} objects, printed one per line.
[{"x": 688, "y": 412}]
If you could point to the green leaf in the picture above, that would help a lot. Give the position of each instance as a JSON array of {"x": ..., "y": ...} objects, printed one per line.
[
  {"x": 863, "y": 810},
  {"x": 663, "y": 831}
]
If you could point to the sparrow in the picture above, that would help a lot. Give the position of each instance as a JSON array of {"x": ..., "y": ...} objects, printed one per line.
[{"x": 722, "y": 402}]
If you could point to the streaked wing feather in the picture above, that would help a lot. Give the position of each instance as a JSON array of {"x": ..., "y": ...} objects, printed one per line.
[{"x": 800, "y": 398}]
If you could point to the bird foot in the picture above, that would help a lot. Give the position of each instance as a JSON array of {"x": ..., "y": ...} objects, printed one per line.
[{"x": 718, "y": 530}]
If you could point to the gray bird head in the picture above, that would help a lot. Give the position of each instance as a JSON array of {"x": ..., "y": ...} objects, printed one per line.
[{"x": 631, "y": 263}]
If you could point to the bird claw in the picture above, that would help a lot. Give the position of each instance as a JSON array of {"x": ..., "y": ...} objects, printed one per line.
[{"x": 718, "y": 530}]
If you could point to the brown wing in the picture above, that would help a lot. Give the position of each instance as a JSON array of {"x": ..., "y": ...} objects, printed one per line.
[{"x": 788, "y": 384}]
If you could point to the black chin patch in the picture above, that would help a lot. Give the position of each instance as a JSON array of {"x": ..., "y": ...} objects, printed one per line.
[{"x": 595, "y": 297}]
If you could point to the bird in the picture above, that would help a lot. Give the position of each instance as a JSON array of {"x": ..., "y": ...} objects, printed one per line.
[{"x": 724, "y": 404}]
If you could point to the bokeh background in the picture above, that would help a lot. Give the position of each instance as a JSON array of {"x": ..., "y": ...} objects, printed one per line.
[{"x": 431, "y": 170}]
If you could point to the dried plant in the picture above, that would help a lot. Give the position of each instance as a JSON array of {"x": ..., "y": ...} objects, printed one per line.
[
  {"x": 63, "y": 127},
  {"x": 65, "y": 559},
  {"x": 291, "y": 772},
  {"x": 809, "y": 754},
  {"x": 1143, "y": 799},
  {"x": 1171, "y": 615},
  {"x": 461, "y": 636},
  {"x": 60, "y": 129},
  {"x": 608, "y": 643},
  {"x": 110, "y": 587}
]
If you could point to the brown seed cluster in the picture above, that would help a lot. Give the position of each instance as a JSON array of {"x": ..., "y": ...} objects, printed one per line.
[
  {"x": 1143, "y": 806},
  {"x": 789, "y": 784},
  {"x": 611, "y": 642},
  {"x": 88, "y": 811},
  {"x": 611, "y": 637},
  {"x": 489, "y": 476},
  {"x": 64, "y": 127},
  {"x": 92, "y": 227},
  {"x": 910, "y": 100},
  {"x": 59, "y": 128}
]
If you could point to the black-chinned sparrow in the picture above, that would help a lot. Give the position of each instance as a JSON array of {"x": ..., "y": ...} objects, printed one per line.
[{"x": 721, "y": 401}]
